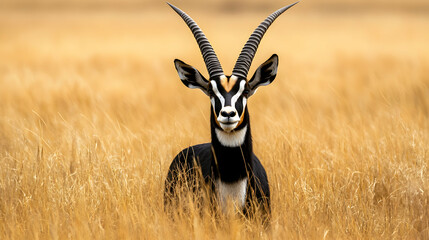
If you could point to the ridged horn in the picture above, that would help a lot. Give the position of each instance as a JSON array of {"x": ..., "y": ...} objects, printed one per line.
[
  {"x": 245, "y": 58},
  {"x": 212, "y": 62}
]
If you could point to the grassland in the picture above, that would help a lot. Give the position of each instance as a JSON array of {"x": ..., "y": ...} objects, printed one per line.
[{"x": 92, "y": 113}]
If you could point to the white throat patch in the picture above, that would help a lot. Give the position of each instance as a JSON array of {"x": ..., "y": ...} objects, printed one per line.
[
  {"x": 231, "y": 139},
  {"x": 235, "y": 192}
]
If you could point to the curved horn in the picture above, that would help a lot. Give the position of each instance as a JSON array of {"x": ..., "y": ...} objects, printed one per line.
[
  {"x": 212, "y": 62},
  {"x": 244, "y": 61}
]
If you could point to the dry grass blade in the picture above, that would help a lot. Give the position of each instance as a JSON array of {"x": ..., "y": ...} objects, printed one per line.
[{"x": 92, "y": 113}]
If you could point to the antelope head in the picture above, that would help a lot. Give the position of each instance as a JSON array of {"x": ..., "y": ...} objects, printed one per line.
[{"x": 229, "y": 94}]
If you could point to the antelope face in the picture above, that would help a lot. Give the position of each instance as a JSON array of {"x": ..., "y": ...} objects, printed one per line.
[
  {"x": 228, "y": 99},
  {"x": 228, "y": 94}
]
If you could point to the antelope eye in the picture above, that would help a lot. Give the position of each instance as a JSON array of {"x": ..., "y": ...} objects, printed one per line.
[
  {"x": 210, "y": 91},
  {"x": 246, "y": 92}
]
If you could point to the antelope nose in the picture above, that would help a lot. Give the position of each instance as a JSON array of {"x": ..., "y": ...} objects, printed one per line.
[{"x": 227, "y": 114}]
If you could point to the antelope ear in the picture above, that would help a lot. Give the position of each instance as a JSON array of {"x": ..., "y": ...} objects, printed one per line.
[
  {"x": 265, "y": 74},
  {"x": 190, "y": 76}
]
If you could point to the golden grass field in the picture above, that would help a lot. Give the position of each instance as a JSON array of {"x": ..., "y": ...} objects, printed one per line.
[{"x": 92, "y": 112}]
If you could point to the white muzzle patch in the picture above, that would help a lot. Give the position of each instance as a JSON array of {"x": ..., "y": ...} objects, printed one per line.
[{"x": 228, "y": 123}]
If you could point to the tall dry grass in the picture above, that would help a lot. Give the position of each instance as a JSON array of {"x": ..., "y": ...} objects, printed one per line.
[{"x": 92, "y": 113}]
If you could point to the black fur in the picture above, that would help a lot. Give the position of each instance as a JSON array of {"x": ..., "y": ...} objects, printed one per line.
[{"x": 215, "y": 161}]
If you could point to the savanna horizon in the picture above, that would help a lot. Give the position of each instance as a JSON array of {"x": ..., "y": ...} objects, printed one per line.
[{"x": 92, "y": 113}]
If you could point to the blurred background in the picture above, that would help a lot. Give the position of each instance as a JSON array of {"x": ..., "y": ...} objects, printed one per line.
[
  {"x": 127, "y": 47},
  {"x": 227, "y": 5},
  {"x": 92, "y": 112}
]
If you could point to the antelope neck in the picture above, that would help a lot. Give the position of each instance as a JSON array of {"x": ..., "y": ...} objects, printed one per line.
[{"x": 232, "y": 160}]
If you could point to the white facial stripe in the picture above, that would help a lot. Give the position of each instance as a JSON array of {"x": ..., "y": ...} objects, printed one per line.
[
  {"x": 192, "y": 86},
  {"x": 212, "y": 100},
  {"x": 238, "y": 94},
  {"x": 216, "y": 91},
  {"x": 231, "y": 139}
]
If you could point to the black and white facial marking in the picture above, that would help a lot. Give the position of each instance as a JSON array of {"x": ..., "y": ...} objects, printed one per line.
[{"x": 228, "y": 98}]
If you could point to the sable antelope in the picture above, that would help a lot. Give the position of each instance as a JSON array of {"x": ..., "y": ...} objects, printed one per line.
[{"x": 227, "y": 164}]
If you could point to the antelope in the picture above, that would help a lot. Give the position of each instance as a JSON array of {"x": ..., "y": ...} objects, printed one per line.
[{"x": 227, "y": 165}]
